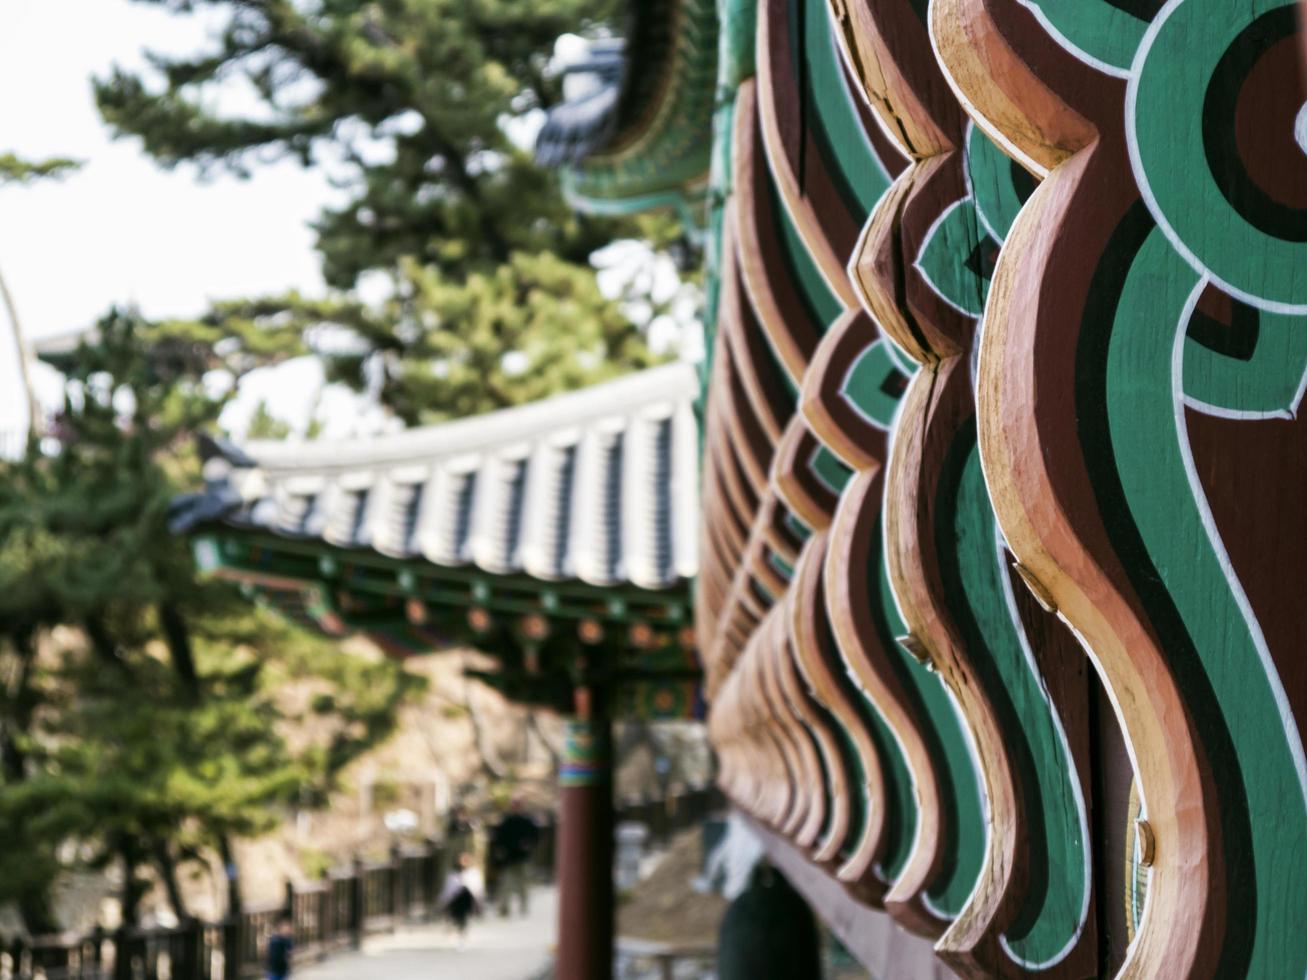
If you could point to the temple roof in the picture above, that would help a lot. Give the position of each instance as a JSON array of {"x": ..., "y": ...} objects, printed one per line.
[
  {"x": 599, "y": 485},
  {"x": 640, "y": 135},
  {"x": 586, "y": 120}
]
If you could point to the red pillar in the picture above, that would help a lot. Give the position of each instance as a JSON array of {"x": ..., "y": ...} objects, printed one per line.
[{"x": 585, "y": 850}]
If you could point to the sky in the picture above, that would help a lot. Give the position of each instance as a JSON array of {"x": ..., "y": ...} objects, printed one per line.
[{"x": 122, "y": 230}]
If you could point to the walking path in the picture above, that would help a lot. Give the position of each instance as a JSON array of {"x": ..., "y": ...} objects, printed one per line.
[{"x": 496, "y": 949}]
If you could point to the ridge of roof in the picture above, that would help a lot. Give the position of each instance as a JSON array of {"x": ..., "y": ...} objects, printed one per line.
[
  {"x": 599, "y": 485},
  {"x": 647, "y": 392}
]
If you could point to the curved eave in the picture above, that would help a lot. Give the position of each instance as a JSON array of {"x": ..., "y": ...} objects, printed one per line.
[
  {"x": 659, "y": 152},
  {"x": 598, "y": 486}
]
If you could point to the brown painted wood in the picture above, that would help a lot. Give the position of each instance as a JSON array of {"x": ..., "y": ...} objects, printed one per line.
[
  {"x": 779, "y": 536},
  {"x": 1039, "y": 116},
  {"x": 856, "y": 440},
  {"x": 883, "y": 43},
  {"x": 830, "y": 820},
  {"x": 584, "y": 862},
  {"x": 795, "y": 483},
  {"x": 891, "y": 52},
  {"x": 1065, "y": 548},
  {"x": 803, "y": 765},
  {"x": 814, "y": 204},
  {"x": 903, "y": 302},
  {"x": 746, "y": 344},
  {"x": 821, "y": 668},
  {"x": 1066, "y": 119},
  {"x": 773, "y": 294},
  {"x": 849, "y": 587},
  {"x": 937, "y": 405}
]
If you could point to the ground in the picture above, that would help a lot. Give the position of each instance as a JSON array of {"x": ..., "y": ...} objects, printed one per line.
[
  {"x": 666, "y": 907},
  {"x": 496, "y": 949}
]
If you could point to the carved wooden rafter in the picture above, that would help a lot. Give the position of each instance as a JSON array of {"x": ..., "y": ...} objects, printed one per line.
[{"x": 1147, "y": 501}]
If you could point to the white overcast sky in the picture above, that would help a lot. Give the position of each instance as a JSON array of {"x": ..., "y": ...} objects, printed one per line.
[{"x": 124, "y": 231}]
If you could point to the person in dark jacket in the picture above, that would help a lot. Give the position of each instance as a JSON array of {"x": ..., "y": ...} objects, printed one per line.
[
  {"x": 512, "y": 843},
  {"x": 280, "y": 944}
]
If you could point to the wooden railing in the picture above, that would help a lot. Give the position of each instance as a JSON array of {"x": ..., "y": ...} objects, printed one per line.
[{"x": 327, "y": 916}]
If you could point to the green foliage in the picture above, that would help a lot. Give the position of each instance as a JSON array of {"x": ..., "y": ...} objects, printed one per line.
[
  {"x": 349, "y": 704},
  {"x": 410, "y": 105},
  {"x": 84, "y": 532},
  {"x": 316, "y": 864},
  {"x": 264, "y": 425},
  {"x": 15, "y": 170},
  {"x": 449, "y": 347},
  {"x": 385, "y": 793},
  {"x": 412, "y": 95},
  {"x": 157, "y": 766},
  {"x": 168, "y": 724}
]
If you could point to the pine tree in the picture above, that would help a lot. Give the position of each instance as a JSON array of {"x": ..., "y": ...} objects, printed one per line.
[
  {"x": 410, "y": 105},
  {"x": 408, "y": 97},
  {"x": 16, "y": 170},
  {"x": 440, "y": 349},
  {"x": 161, "y": 737}
]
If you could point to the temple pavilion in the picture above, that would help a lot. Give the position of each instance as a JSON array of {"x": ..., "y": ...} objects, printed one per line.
[{"x": 980, "y": 531}]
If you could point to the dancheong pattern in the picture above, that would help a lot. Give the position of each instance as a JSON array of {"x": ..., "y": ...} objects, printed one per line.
[
  {"x": 1001, "y": 529},
  {"x": 1003, "y": 532}
]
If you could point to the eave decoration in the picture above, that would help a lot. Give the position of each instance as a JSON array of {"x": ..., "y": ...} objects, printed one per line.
[
  {"x": 1004, "y": 468},
  {"x": 641, "y": 136},
  {"x": 558, "y": 537}
]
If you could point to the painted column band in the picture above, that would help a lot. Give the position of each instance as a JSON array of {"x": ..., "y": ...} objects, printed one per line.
[{"x": 587, "y": 754}]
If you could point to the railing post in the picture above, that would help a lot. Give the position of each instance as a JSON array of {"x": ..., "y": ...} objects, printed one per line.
[
  {"x": 356, "y": 911},
  {"x": 53, "y": 957},
  {"x": 545, "y": 850},
  {"x": 396, "y": 884},
  {"x": 431, "y": 879},
  {"x": 122, "y": 955},
  {"x": 233, "y": 947},
  {"x": 323, "y": 910},
  {"x": 188, "y": 947}
]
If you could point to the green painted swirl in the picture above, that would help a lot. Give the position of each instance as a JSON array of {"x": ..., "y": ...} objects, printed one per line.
[
  {"x": 1235, "y": 692},
  {"x": 1056, "y": 899},
  {"x": 962, "y": 809}
]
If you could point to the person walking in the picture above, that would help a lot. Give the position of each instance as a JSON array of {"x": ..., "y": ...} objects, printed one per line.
[
  {"x": 280, "y": 945},
  {"x": 512, "y": 843},
  {"x": 462, "y": 895}
]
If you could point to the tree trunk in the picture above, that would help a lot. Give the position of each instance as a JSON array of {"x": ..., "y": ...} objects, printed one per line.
[
  {"x": 133, "y": 889},
  {"x": 12, "y": 757},
  {"x": 489, "y": 765},
  {"x": 182, "y": 654},
  {"x": 231, "y": 872},
  {"x": 533, "y": 725},
  {"x": 178, "y": 639},
  {"x": 34, "y": 904},
  {"x": 103, "y": 644},
  {"x": 166, "y": 865},
  {"x": 37, "y": 911}
]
